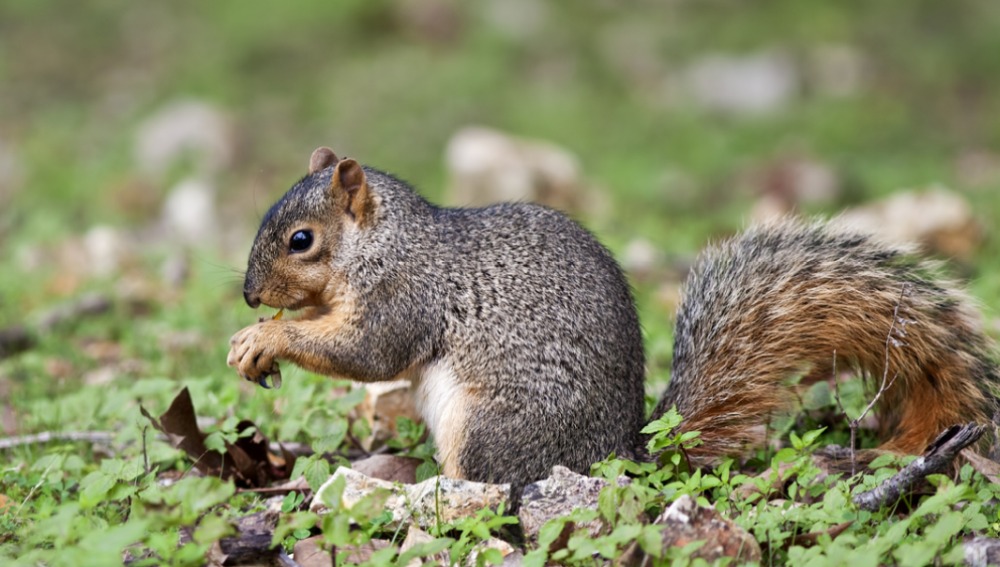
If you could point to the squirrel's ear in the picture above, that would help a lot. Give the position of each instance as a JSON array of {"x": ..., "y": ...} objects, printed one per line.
[
  {"x": 321, "y": 159},
  {"x": 350, "y": 177}
]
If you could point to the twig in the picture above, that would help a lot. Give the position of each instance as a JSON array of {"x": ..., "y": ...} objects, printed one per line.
[
  {"x": 31, "y": 492},
  {"x": 145, "y": 455},
  {"x": 49, "y": 436},
  {"x": 273, "y": 490},
  {"x": 883, "y": 387},
  {"x": 935, "y": 459},
  {"x": 357, "y": 444}
]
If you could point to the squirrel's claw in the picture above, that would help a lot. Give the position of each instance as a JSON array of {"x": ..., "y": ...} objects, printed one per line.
[{"x": 253, "y": 357}]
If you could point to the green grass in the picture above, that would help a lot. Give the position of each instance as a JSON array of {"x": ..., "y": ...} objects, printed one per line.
[{"x": 79, "y": 78}]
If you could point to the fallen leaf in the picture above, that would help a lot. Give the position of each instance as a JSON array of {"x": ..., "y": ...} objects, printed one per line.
[
  {"x": 983, "y": 465},
  {"x": 309, "y": 553},
  {"x": 247, "y": 461},
  {"x": 180, "y": 426}
]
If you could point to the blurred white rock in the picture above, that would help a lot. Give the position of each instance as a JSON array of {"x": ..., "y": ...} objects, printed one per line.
[
  {"x": 486, "y": 166},
  {"x": 185, "y": 130},
  {"x": 751, "y": 84},
  {"x": 937, "y": 219},
  {"x": 641, "y": 258},
  {"x": 189, "y": 214},
  {"x": 105, "y": 249},
  {"x": 417, "y": 537},
  {"x": 516, "y": 19}
]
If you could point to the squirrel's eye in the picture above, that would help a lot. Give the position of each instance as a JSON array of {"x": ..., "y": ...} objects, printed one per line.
[{"x": 300, "y": 241}]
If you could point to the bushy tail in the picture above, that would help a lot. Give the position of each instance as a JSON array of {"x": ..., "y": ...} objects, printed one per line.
[{"x": 779, "y": 300}]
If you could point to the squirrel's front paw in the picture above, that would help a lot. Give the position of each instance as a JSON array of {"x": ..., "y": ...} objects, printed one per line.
[{"x": 253, "y": 350}]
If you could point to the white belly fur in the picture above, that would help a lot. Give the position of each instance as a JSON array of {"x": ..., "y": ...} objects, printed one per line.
[{"x": 441, "y": 402}]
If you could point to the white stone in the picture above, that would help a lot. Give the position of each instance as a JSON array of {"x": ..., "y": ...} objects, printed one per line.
[
  {"x": 185, "y": 129},
  {"x": 751, "y": 84},
  {"x": 189, "y": 212}
]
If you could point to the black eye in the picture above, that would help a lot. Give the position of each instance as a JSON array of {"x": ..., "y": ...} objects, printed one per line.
[{"x": 300, "y": 241}]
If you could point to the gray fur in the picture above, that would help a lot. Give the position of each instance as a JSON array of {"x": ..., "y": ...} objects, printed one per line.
[{"x": 531, "y": 312}]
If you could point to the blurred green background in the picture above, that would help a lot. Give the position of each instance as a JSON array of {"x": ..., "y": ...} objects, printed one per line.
[{"x": 681, "y": 115}]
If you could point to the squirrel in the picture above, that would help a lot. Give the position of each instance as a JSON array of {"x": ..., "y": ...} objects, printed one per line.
[{"x": 520, "y": 335}]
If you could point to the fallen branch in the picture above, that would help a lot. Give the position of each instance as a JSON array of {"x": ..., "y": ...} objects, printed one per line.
[
  {"x": 93, "y": 437},
  {"x": 936, "y": 459},
  {"x": 102, "y": 437}
]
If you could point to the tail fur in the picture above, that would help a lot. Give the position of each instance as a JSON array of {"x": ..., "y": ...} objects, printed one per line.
[{"x": 779, "y": 300}]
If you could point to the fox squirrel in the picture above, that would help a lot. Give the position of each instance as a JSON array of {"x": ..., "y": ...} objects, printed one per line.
[{"x": 520, "y": 335}]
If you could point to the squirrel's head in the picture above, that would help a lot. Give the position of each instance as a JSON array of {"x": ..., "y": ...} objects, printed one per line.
[{"x": 290, "y": 263}]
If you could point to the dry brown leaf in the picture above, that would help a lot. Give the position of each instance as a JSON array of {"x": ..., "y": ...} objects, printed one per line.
[
  {"x": 247, "y": 461},
  {"x": 983, "y": 465}
]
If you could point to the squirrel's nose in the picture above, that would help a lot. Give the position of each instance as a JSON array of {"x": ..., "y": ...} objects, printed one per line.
[{"x": 252, "y": 300}]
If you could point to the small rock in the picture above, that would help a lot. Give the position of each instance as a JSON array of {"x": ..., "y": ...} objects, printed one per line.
[
  {"x": 557, "y": 496},
  {"x": 446, "y": 499},
  {"x": 517, "y": 19},
  {"x": 383, "y": 403},
  {"x": 437, "y": 499},
  {"x": 486, "y": 166},
  {"x": 747, "y": 85},
  {"x": 508, "y": 551},
  {"x": 641, "y": 258},
  {"x": 937, "y": 219},
  {"x": 416, "y": 536},
  {"x": 982, "y": 551},
  {"x": 100, "y": 376},
  {"x": 687, "y": 522},
  {"x": 189, "y": 213},
  {"x": 515, "y": 559},
  {"x": 185, "y": 130},
  {"x": 106, "y": 249},
  {"x": 391, "y": 468}
]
